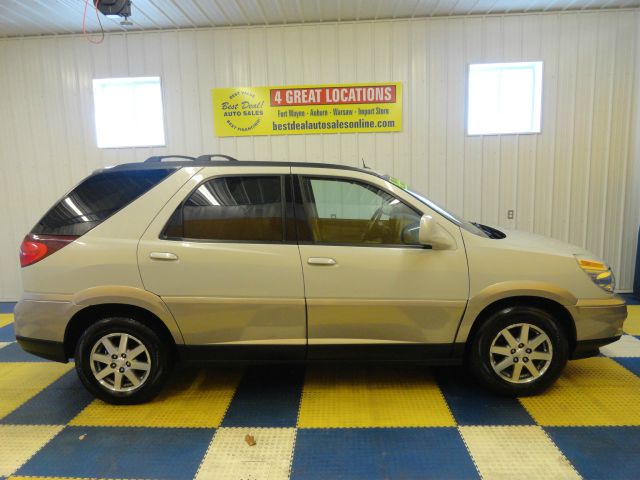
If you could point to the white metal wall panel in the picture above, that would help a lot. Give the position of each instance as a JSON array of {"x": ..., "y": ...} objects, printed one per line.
[{"x": 577, "y": 181}]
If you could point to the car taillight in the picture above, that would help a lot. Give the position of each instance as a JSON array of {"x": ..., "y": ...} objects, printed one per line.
[{"x": 36, "y": 247}]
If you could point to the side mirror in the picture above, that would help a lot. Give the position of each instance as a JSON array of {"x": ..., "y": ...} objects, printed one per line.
[
  {"x": 410, "y": 234},
  {"x": 434, "y": 235}
]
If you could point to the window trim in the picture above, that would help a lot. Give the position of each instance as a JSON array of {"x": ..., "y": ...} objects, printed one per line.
[
  {"x": 299, "y": 178},
  {"x": 293, "y": 219},
  {"x": 283, "y": 216}
]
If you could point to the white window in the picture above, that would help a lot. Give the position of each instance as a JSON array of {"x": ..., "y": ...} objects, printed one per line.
[
  {"x": 504, "y": 98},
  {"x": 128, "y": 112}
]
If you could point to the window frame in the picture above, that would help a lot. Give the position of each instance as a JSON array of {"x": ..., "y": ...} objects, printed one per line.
[
  {"x": 283, "y": 212},
  {"x": 467, "y": 99},
  {"x": 299, "y": 178}
]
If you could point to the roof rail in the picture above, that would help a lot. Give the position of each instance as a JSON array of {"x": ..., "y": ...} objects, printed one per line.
[
  {"x": 159, "y": 158},
  {"x": 211, "y": 156}
]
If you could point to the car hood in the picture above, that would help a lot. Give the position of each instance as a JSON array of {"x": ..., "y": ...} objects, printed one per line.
[{"x": 538, "y": 243}]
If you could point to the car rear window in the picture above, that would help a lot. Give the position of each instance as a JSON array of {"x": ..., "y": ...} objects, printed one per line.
[{"x": 97, "y": 198}]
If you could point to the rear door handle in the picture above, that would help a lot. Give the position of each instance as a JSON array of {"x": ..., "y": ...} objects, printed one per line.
[
  {"x": 321, "y": 261},
  {"x": 163, "y": 256}
]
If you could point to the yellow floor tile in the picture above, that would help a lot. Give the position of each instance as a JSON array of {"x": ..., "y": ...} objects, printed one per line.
[
  {"x": 21, "y": 442},
  {"x": 372, "y": 397},
  {"x": 5, "y": 319},
  {"x": 192, "y": 398},
  {"x": 590, "y": 392},
  {"x": 21, "y": 381},
  {"x": 632, "y": 323}
]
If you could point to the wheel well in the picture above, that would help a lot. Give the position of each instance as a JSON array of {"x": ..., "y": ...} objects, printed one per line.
[
  {"x": 90, "y": 315},
  {"x": 550, "y": 306}
]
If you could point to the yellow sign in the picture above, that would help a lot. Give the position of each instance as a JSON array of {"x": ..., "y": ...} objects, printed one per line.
[{"x": 365, "y": 107}]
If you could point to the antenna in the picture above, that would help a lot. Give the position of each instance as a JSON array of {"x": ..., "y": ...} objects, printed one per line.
[{"x": 364, "y": 165}]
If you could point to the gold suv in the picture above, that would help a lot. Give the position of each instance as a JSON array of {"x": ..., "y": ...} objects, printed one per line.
[{"x": 215, "y": 260}]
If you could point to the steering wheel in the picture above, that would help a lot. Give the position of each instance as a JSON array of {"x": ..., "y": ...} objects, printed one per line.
[{"x": 375, "y": 218}]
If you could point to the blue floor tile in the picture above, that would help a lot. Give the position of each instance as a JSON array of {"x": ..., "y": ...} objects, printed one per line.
[
  {"x": 163, "y": 453},
  {"x": 630, "y": 363},
  {"x": 471, "y": 404},
  {"x": 600, "y": 452},
  {"x": 7, "y": 334},
  {"x": 7, "y": 307},
  {"x": 367, "y": 453},
  {"x": 13, "y": 353},
  {"x": 630, "y": 299},
  {"x": 57, "y": 404},
  {"x": 268, "y": 396}
]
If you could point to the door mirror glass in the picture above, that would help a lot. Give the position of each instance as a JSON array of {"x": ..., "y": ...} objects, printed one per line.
[
  {"x": 411, "y": 234},
  {"x": 434, "y": 235}
]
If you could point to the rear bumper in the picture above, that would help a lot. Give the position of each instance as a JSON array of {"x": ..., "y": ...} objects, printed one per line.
[
  {"x": 43, "y": 348},
  {"x": 44, "y": 319}
]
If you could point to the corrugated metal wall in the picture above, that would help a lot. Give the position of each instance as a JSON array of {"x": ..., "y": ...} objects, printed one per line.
[{"x": 573, "y": 181}]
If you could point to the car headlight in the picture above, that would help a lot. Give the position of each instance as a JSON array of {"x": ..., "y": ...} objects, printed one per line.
[{"x": 599, "y": 273}]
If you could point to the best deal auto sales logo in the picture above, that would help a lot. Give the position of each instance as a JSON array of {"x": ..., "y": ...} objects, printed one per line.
[{"x": 243, "y": 111}]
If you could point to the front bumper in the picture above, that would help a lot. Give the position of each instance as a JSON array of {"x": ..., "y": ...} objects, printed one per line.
[
  {"x": 598, "y": 323},
  {"x": 591, "y": 348}
]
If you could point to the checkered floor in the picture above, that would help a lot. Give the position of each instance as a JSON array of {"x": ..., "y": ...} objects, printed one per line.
[{"x": 323, "y": 422}]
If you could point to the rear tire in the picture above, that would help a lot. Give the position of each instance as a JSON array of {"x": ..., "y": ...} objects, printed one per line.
[
  {"x": 122, "y": 361},
  {"x": 518, "y": 351}
]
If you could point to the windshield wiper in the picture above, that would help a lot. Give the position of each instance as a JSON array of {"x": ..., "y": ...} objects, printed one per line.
[{"x": 491, "y": 232}]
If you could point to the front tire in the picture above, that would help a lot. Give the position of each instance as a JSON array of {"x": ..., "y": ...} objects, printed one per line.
[
  {"x": 122, "y": 361},
  {"x": 519, "y": 351}
]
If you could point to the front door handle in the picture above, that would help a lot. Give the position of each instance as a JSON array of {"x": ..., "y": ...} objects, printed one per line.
[
  {"x": 163, "y": 256},
  {"x": 321, "y": 261}
]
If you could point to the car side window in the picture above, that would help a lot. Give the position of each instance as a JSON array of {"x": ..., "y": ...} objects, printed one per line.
[
  {"x": 342, "y": 211},
  {"x": 239, "y": 208}
]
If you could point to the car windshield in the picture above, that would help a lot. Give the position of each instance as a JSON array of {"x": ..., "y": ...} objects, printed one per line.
[{"x": 462, "y": 223}]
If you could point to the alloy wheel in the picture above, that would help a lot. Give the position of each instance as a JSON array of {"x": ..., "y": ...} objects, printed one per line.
[
  {"x": 120, "y": 362},
  {"x": 521, "y": 353}
]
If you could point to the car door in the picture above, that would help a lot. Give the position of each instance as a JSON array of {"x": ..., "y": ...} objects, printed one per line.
[
  {"x": 371, "y": 289},
  {"x": 217, "y": 254}
]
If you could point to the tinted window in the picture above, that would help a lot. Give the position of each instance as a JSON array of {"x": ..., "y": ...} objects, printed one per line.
[
  {"x": 96, "y": 199},
  {"x": 351, "y": 212},
  {"x": 231, "y": 208}
]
